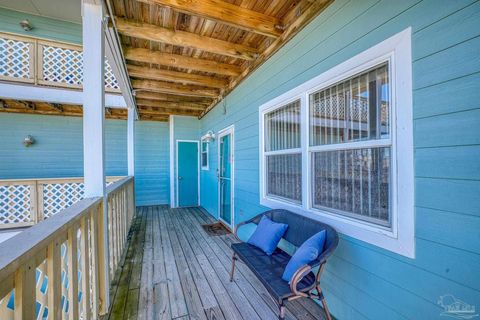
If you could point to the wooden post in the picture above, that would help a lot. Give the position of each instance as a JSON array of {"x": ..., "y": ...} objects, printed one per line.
[
  {"x": 25, "y": 292},
  {"x": 54, "y": 264},
  {"x": 93, "y": 129},
  {"x": 131, "y": 141},
  {"x": 85, "y": 250},
  {"x": 72, "y": 252}
]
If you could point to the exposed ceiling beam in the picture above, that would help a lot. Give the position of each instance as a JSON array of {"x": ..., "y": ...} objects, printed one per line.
[
  {"x": 168, "y": 87},
  {"x": 56, "y": 106},
  {"x": 179, "y": 61},
  {"x": 227, "y": 13},
  {"x": 149, "y": 117},
  {"x": 44, "y": 108},
  {"x": 293, "y": 28},
  {"x": 153, "y": 32},
  {"x": 172, "y": 98},
  {"x": 165, "y": 111},
  {"x": 175, "y": 76},
  {"x": 171, "y": 105}
]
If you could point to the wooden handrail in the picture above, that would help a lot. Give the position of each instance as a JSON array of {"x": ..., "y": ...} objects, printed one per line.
[{"x": 40, "y": 247}]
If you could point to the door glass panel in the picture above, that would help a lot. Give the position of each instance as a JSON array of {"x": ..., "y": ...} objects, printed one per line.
[
  {"x": 224, "y": 179},
  {"x": 225, "y": 205},
  {"x": 225, "y": 157}
]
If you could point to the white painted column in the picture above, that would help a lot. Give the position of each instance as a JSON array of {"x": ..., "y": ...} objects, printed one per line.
[
  {"x": 131, "y": 141},
  {"x": 93, "y": 100},
  {"x": 94, "y": 118}
]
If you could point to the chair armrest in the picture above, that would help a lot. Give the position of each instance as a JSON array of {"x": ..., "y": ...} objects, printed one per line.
[{"x": 297, "y": 277}]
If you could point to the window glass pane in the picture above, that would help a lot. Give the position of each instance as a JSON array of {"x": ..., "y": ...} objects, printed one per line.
[
  {"x": 353, "y": 182},
  {"x": 282, "y": 128},
  {"x": 284, "y": 176},
  {"x": 204, "y": 159},
  {"x": 204, "y": 146},
  {"x": 353, "y": 110}
]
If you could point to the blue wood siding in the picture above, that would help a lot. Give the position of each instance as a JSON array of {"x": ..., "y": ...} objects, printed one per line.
[
  {"x": 363, "y": 281},
  {"x": 45, "y": 28},
  {"x": 152, "y": 169},
  {"x": 58, "y": 151}
]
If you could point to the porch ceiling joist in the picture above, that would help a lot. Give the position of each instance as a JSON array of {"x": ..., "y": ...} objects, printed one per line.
[
  {"x": 145, "y": 95},
  {"x": 45, "y": 108},
  {"x": 167, "y": 111},
  {"x": 168, "y": 87},
  {"x": 171, "y": 105},
  {"x": 184, "y": 39},
  {"x": 179, "y": 61},
  {"x": 224, "y": 12},
  {"x": 175, "y": 76}
]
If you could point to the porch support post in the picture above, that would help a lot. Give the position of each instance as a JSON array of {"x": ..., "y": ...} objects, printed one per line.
[
  {"x": 131, "y": 141},
  {"x": 94, "y": 123}
]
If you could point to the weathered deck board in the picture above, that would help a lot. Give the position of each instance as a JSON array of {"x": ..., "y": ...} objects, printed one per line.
[{"x": 173, "y": 270}]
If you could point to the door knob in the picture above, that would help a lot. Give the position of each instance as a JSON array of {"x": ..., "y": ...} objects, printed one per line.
[{"x": 179, "y": 178}]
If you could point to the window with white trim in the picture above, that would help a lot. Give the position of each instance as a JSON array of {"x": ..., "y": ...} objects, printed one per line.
[
  {"x": 204, "y": 155},
  {"x": 339, "y": 147}
]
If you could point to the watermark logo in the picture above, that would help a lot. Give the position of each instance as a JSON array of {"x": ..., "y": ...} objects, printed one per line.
[{"x": 456, "y": 308}]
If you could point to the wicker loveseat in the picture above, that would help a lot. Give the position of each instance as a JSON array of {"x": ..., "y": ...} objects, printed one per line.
[{"x": 269, "y": 269}]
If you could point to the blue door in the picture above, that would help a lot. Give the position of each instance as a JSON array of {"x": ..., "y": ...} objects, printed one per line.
[{"x": 187, "y": 178}]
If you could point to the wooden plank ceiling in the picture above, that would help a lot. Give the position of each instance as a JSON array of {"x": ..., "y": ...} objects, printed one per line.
[{"x": 183, "y": 56}]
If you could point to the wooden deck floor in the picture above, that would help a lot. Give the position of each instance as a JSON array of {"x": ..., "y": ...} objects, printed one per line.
[{"x": 174, "y": 270}]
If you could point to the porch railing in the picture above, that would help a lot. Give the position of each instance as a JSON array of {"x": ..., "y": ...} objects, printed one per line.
[
  {"x": 25, "y": 202},
  {"x": 41, "y": 278},
  {"x": 42, "y": 62}
]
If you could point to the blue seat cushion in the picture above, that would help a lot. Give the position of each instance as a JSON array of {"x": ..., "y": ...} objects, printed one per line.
[
  {"x": 267, "y": 235},
  {"x": 269, "y": 269},
  {"x": 307, "y": 253}
]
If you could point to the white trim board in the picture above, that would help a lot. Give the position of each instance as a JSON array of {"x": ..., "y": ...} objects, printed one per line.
[
  {"x": 176, "y": 171},
  {"x": 54, "y": 95},
  {"x": 171, "y": 124},
  {"x": 400, "y": 237},
  {"x": 226, "y": 131}
]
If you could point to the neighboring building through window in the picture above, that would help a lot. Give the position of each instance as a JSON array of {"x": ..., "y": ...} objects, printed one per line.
[
  {"x": 204, "y": 155},
  {"x": 339, "y": 147}
]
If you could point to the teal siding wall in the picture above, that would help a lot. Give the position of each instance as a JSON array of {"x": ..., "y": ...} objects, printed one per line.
[
  {"x": 44, "y": 28},
  {"x": 184, "y": 128},
  {"x": 58, "y": 151},
  {"x": 152, "y": 169},
  {"x": 363, "y": 281}
]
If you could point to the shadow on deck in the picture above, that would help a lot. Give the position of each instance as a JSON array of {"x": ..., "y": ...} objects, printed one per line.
[{"x": 173, "y": 269}]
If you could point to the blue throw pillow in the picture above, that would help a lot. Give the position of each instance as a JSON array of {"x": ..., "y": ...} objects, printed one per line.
[
  {"x": 267, "y": 235},
  {"x": 308, "y": 251}
]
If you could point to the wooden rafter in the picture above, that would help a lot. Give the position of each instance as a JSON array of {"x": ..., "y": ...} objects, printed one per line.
[
  {"x": 293, "y": 28},
  {"x": 168, "y": 87},
  {"x": 44, "y": 108},
  {"x": 171, "y": 105},
  {"x": 175, "y": 76},
  {"x": 184, "y": 39},
  {"x": 227, "y": 13},
  {"x": 145, "y": 95},
  {"x": 179, "y": 61},
  {"x": 167, "y": 111}
]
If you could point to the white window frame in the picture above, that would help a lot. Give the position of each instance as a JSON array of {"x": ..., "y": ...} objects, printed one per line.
[
  {"x": 400, "y": 237},
  {"x": 202, "y": 141}
]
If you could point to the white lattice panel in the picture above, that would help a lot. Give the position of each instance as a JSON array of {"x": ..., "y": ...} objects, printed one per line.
[
  {"x": 15, "y": 206},
  {"x": 59, "y": 196},
  {"x": 15, "y": 58},
  {"x": 62, "y": 65},
  {"x": 110, "y": 80}
]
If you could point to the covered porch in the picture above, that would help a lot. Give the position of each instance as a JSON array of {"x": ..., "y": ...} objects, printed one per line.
[{"x": 173, "y": 269}]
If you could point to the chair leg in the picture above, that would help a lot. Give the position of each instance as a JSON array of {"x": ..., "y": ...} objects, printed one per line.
[
  {"x": 281, "y": 315},
  {"x": 324, "y": 303},
  {"x": 234, "y": 259}
]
